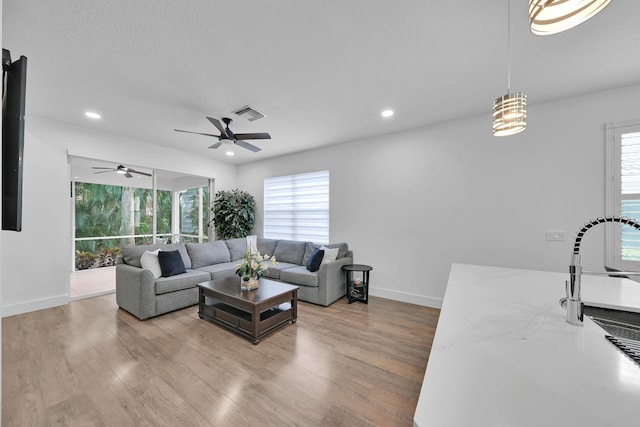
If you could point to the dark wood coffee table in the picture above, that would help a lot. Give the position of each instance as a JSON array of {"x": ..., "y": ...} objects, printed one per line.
[{"x": 252, "y": 314}]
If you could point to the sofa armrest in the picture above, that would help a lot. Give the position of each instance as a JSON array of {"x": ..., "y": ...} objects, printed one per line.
[
  {"x": 331, "y": 280},
  {"x": 135, "y": 290}
]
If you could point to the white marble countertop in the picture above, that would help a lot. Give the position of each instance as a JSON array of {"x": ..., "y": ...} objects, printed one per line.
[{"x": 504, "y": 356}]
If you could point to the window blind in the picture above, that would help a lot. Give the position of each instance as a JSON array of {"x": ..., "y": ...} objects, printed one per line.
[
  {"x": 630, "y": 191},
  {"x": 296, "y": 207}
]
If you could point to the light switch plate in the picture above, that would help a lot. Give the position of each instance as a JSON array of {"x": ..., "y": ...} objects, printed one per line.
[{"x": 555, "y": 236}]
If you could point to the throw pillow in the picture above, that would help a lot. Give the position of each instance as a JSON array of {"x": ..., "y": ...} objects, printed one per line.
[
  {"x": 149, "y": 261},
  {"x": 171, "y": 263},
  {"x": 313, "y": 264},
  {"x": 330, "y": 254}
]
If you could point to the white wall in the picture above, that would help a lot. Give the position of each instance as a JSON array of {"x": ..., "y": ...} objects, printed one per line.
[
  {"x": 35, "y": 271},
  {"x": 415, "y": 202}
]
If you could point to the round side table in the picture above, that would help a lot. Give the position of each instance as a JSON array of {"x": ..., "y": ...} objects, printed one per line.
[{"x": 357, "y": 282}]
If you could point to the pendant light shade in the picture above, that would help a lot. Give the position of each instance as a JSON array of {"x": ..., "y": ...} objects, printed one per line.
[
  {"x": 510, "y": 114},
  {"x": 510, "y": 110},
  {"x": 554, "y": 16}
]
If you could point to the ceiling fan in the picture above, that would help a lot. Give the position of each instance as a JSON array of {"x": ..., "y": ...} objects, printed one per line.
[
  {"x": 123, "y": 170},
  {"x": 227, "y": 136}
]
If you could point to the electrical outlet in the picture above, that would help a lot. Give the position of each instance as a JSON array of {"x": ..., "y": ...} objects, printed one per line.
[{"x": 555, "y": 236}]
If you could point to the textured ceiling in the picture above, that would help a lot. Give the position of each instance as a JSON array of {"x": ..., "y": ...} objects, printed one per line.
[{"x": 320, "y": 70}]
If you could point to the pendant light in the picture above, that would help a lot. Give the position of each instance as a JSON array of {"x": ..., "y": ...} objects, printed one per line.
[
  {"x": 510, "y": 110},
  {"x": 554, "y": 16}
]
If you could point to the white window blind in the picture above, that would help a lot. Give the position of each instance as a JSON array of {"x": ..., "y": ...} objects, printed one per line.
[{"x": 296, "y": 207}]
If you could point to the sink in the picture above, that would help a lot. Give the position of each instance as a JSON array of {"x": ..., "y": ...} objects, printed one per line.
[{"x": 623, "y": 328}]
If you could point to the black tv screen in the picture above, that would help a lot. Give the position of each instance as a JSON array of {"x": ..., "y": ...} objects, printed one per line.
[{"x": 13, "y": 108}]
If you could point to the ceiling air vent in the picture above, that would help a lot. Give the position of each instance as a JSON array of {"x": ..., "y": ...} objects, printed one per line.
[{"x": 249, "y": 113}]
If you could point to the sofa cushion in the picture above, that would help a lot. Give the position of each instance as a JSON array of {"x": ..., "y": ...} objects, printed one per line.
[
  {"x": 149, "y": 261},
  {"x": 202, "y": 254},
  {"x": 299, "y": 276},
  {"x": 313, "y": 264},
  {"x": 290, "y": 251},
  {"x": 131, "y": 254},
  {"x": 237, "y": 247},
  {"x": 171, "y": 263},
  {"x": 274, "y": 270},
  {"x": 181, "y": 281},
  {"x": 218, "y": 271},
  {"x": 267, "y": 246},
  {"x": 308, "y": 250}
]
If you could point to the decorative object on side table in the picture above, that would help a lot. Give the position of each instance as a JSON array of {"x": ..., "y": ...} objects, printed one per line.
[
  {"x": 357, "y": 282},
  {"x": 252, "y": 268}
]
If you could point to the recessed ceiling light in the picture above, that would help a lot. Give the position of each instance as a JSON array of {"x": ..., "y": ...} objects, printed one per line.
[
  {"x": 92, "y": 115},
  {"x": 387, "y": 113},
  {"x": 229, "y": 153}
]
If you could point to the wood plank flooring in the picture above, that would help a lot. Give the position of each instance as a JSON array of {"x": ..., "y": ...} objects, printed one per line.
[{"x": 89, "y": 363}]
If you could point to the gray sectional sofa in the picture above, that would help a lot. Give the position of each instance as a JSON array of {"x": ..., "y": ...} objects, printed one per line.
[{"x": 144, "y": 296}]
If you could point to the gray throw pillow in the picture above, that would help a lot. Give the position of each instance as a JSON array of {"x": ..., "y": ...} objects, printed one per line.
[
  {"x": 267, "y": 246},
  {"x": 290, "y": 251},
  {"x": 237, "y": 248},
  {"x": 203, "y": 254}
]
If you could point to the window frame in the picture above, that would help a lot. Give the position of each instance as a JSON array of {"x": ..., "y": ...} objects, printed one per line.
[{"x": 613, "y": 192}]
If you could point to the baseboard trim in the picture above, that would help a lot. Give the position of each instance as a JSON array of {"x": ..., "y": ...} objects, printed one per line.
[
  {"x": 34, "y": 305},
  {"x": 406, "y": 297}
]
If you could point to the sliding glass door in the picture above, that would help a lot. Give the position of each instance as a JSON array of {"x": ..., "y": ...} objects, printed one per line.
[{"x": 112, "y": 209}]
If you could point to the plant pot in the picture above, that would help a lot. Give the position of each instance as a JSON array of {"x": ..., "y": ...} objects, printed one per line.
[{"x": 251, "y": 284}]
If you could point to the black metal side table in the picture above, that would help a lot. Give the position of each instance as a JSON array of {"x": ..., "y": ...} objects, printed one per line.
[{"x": 357, "y": 281}]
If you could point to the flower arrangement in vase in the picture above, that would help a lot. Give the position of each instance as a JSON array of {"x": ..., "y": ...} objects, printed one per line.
[{"x": 252, "y": 268}]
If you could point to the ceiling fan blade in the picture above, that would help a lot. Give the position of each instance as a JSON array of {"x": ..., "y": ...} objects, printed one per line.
[
  {"x": 99, "y": 167},
  {"x": 262, "y": 135},
  {"x": 216, "y": 145},
  {"x": 138, "y": 172},
  {"x": 219, "y": 126},
  {"x": 128, "y": 175},
  {"x": 197, "y": 133},
  {"x": 110, "y": 170},
  {"x": 248, "y": 146}
]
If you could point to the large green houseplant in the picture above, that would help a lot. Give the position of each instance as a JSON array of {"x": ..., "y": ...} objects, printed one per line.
[{"x": 233, "y": 214}]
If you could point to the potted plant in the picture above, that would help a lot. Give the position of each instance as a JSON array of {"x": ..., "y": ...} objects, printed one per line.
[
  {"x": 252, "y": 268},
  {"x": 233, "y": 214}
]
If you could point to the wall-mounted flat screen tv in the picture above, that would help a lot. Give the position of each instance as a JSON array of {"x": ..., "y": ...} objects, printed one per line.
[{"x": 13, "y": 107}]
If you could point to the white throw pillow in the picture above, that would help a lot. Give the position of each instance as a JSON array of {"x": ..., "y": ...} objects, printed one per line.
[
  {"x": 329, "y": 254},
  {"x": 149, "y": 261}
]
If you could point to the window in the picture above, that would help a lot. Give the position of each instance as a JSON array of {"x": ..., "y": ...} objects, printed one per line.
[
  {"x": 623, "y": 194},
  {"x": 296, "y": 207}
]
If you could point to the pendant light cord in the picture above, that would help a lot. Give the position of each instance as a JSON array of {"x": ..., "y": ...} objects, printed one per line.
[{"x": 508, "y": 46}]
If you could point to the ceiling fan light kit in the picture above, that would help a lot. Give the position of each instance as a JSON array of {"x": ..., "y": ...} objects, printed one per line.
[
  {"x": 120, "y": 169},
  {"x": 554, "y": 16}
]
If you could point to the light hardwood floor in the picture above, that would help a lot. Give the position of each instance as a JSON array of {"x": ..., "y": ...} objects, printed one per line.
[{"x": 89, "y": 363}]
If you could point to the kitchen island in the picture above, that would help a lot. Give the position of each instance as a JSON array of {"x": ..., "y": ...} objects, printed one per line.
[{"x": 504, "y": 356}]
